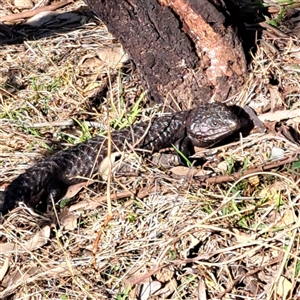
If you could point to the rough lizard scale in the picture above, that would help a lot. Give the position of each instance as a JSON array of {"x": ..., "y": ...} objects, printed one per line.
[{"x": 203, "y": 127}]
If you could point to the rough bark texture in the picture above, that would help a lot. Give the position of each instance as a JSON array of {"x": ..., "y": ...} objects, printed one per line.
[{"x": 186, "y": 49}]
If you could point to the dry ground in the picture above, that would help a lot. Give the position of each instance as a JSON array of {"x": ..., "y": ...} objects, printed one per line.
[{"x": 173, "y": 239}]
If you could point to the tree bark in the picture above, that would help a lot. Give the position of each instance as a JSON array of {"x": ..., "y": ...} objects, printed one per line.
[{"x": 185, "y": 50}]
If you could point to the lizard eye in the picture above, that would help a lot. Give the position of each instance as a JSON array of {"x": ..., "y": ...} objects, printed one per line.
[{"x": 213, "y": 123}]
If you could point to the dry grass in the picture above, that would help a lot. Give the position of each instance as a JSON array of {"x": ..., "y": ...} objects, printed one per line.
[{"x": 234, "y": 240}]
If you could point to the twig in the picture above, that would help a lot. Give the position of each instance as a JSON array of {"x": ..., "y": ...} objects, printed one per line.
[
  {"x": 238, "y": 175},
  {"x": 31, "y": 13},
  {"x": 115, "y": 196},
  {"x": 242, "y": 277},
  {"x": 274, "y": 30},
  {"x": 109, "y": 205}
]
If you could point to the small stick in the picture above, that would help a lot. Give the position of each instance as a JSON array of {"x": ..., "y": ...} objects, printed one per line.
[
  {"x": 31, "y": 13},
  {"x": 109, "y": 204},
  {"x": 116, "y": 196},
  {"x": 238, "y": 175},
  {"x": 274, "y": 30}
]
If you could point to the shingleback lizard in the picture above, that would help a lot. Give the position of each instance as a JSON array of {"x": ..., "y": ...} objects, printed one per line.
[{"x": 202, "y": 126}]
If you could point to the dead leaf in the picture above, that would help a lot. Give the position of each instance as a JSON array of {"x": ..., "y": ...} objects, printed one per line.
[
  {"x": 277, "y": 153},
  {"x": 280, "y": 115},
  {"x": 149, "y": 289},
  {"x": 7, "y": 247},
  {"x": 92, "y": 86},
  {"x": 68, "y": 220},
  {"x": 284, "y": 286},
  {"x": 287, "y": 219},
  {"x": 76, "y": 188},
  {"x": 23, "y": 4},
  {"x": 180, "y": 172},
  {"x": 275, "y": 97},
  {"x": 86, "y": 204},
  {"x": 18, "y": 276},
  {"x": 223, "y": 166},
  {"x": 30, "y": 274},
  {"x": 91, "y": 62},
  {"x": 134, "y": 274},
  {"x": 241, "y": 237},
  {"x": 38, "y": 240},
  {"x": 201, "y": 290},
  {"x": 113, "y": 57},
  {"x": 4, "y": 268},
  {"x": 272, "y": 191}
]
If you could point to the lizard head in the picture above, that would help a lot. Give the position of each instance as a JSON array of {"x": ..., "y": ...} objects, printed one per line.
[{"x": 210, "y": 123}]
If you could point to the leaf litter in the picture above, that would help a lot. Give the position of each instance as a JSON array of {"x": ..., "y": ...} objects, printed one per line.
[{"x": 170, "y": 236}]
